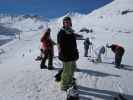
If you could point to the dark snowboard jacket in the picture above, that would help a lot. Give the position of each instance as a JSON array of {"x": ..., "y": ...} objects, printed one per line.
[
  {"x": 67, "y": 46},
  {"x": 87, "y": 43}
]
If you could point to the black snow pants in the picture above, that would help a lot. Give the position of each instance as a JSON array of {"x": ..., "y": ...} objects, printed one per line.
[
  {"x": 48, "y": 54},
  {"x": 118, "y": 56}
]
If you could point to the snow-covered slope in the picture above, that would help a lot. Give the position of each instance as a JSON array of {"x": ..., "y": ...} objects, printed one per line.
[{"x": 22, "y": 79}]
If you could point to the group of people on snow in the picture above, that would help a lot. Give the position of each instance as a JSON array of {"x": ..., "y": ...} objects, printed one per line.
[
  {"x": 68, "y": 52},
  {"x": 117, "y": 50}
]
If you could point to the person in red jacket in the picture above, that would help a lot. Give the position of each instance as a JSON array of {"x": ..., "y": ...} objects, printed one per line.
[
  {"x": 47, "y": 49},
  {"x": 119, "y": 52}
]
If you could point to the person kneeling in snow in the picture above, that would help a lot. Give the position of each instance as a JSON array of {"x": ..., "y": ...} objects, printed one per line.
[
  {"x": 101, "y": 51},
  {"x": 47, "y": 49},
  {"x": 98, "y": 52},
  {"x": 119, "y": 52}
]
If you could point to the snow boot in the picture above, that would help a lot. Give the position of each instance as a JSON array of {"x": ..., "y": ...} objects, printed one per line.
[
  {"x": 43, "y": 66},
  {"x": 50, "y": 67},
  {"x": 73, "y": 84},
  {"x": 58, "y": 76}
]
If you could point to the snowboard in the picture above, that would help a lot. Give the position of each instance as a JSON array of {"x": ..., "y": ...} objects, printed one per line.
[
  {"x": 72, "y": 93},
  {"x": 38, "y": 58},
  {"x": 93, "y": 60}
]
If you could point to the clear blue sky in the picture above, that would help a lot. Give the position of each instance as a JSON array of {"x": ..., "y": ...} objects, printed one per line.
[{"x": 50, "y": 8}]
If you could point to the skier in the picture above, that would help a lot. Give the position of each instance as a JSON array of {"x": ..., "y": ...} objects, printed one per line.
[
  {"x": 87, "y": 43},
  {"x": 119, "y": 52},
  {"x": 68, "y": 53},
  {"x": 47, "y": 50}
]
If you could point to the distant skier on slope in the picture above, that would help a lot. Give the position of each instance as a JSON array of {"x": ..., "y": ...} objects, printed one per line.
[
  {"x": 119, "y": 52},
  {"x": 87, "y": 44},
  {"x": 47, "y": 49}
]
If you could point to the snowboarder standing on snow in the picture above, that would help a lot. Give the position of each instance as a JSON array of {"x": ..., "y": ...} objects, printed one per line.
[
  {"x": 119, "y": 52},
  {"x": 68, "y": 53},
  {"x": 47, "y": 49},
  {"x": 87, "y": 44}
]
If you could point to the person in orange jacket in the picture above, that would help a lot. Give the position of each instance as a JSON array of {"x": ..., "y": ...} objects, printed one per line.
[
  {"x": 47, "y": 48},
  {"x": 119, "y": 52}
]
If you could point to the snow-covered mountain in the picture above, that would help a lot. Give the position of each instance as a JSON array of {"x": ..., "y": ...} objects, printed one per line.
[
  {"x": 22, "y": 79},
  {"x": 23, "y": 22},
  {"x": 13, "y": 26}
]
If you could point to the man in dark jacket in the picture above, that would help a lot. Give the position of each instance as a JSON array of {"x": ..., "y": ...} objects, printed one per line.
[
  {"x": 68, "y": 52},
  {"x": 119, "y": 52}
]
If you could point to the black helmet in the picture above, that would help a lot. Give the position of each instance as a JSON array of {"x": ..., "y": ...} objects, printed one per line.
[{"x": 67, "y": 18}]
